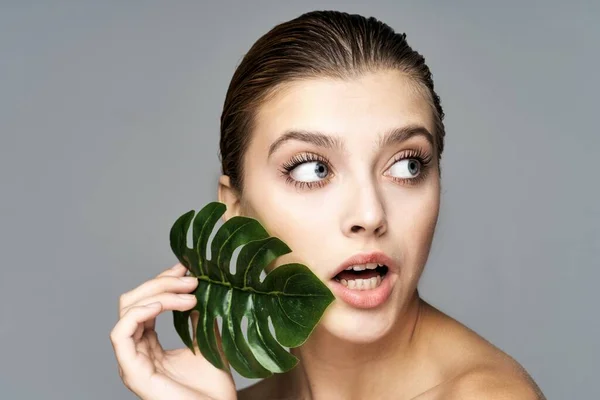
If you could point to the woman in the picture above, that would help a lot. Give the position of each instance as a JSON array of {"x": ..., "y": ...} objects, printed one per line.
[{"x": 331, "y": 136}]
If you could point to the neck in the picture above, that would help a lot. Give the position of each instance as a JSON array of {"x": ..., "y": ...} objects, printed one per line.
[{"x": 332, "y": 368}]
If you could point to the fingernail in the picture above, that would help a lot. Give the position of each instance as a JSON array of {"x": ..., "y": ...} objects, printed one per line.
[
  {"x": 187, "y": 296},
  {"x": 188, "y": 279}
]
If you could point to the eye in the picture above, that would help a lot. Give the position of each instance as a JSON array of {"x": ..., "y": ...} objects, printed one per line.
[
  {"x": 407, "y": 168},
  {"x": 410, "y": 167},
  {"x": 307, "y": 171}
]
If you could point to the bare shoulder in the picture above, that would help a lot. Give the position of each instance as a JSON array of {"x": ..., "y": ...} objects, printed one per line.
[
  {"x": 473, "y": 367},
  {"x": 493, "y": 384}
]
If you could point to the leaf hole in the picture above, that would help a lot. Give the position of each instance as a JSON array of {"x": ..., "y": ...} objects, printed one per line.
[
  {"x": 272, "y": 330},
  {"x": 271, "y": 327},
  {"x": 193, "y": 321},
  {"x": 244, "y": 327},
  {"x": 263, "y": 273},
  {"x": 189, "y": 238},
  {"x": 219, "y": 323},
  {"x": 233, "y": 261},
  {"x": 216, "y": 228},
  {"x": 262, "y": 277}
]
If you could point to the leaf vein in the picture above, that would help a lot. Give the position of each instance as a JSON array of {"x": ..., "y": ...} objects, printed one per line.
[{"x": 286, "y": 314}]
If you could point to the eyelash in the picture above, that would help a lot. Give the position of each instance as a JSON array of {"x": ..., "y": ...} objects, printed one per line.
[{"x": 423, "y": 158}]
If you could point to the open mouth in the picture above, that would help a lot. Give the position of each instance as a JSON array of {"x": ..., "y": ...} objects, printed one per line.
[{"x": 365, "y": 279}]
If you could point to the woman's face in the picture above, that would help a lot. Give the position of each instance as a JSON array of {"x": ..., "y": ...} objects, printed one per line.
[{"x": 328, "y": 203}]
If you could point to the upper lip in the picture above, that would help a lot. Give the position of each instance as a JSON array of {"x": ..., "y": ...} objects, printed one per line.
[{"x": 378, "y": 257}]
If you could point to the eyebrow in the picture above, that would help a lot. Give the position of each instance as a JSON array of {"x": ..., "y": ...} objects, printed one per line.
[{"x": 391, "y": 136}]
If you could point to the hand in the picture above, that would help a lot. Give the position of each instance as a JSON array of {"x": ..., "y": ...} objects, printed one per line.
[{"x": 145, "y": 367}]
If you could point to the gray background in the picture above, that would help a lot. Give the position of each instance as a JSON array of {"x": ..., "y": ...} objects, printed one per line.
[{"x": 109, "y": 123}]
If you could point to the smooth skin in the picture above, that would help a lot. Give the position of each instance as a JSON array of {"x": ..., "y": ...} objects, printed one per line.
[{"x": 361, "y": 199}]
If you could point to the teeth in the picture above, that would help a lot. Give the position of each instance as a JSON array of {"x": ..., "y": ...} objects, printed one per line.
[
  {"x": 362, "y": 284},
  {"x": 362, "y": 267},
  {"x": 374, "y": 282}
]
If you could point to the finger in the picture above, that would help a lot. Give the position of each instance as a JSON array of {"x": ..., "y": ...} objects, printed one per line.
[
  {"x": 137, "y": 335},
  {"x": 122, "y": 341},
  {"x": 149, "y": 325},
  {"x": 169, "y": 301},
  {"x": 183, "y": 284},
  {"x": 176, "y": 270},
  {"x": 154, "y": 344}
]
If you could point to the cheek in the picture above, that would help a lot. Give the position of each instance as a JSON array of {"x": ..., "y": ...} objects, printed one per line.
[
  {"x": 287, "y": 214},
  {"x": 418, "y": 229},
  {"x": 293, "y": 224}
]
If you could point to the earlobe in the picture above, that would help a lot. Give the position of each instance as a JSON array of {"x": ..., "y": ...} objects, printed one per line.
[{"x": 228, "y": 196}]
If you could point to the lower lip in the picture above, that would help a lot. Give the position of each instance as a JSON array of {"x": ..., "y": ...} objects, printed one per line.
[{"x": 364, "y": 298}]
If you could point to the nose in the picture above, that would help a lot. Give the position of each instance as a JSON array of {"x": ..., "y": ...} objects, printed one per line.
[{"x": 366, "y": 213}]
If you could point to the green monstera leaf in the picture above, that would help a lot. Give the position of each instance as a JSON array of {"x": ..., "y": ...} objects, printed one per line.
[{"x": 291, "y": 295}]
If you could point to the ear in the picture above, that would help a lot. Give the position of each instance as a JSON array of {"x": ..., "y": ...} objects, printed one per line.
[{"x": 229, "y": 196}]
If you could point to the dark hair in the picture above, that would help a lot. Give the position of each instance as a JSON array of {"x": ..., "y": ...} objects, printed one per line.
[{"x": 315, "y": 44}]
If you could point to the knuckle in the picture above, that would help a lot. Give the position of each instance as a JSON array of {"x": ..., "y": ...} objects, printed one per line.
[
  {"x": 123, "y": 299},
  {"x": 129, "y": 310},
  {"x": 124, "y": 311},
  {"x": 113, "y": 336}
]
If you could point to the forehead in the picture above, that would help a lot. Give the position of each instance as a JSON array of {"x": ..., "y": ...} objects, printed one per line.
[{"x": 356, "y": 109}]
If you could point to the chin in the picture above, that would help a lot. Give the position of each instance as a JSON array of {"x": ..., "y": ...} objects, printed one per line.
[{"x": 355, "y": 325}]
